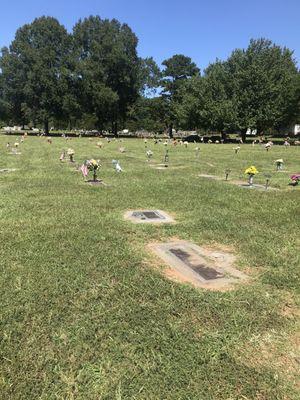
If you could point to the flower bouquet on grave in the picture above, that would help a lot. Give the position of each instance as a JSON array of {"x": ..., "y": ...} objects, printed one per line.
[
  {"x": 279, "y": 164},
  {"x": 251, "y": 172},
  {"x": 117, "y": 166},
  {"x": 14, "y": 150},
  {"x": 236, "y": 149},
  {"x": 149, "y": 154},
  {"x": 62, "y": 156},
  {"x": 93, "y": 166},
  {"x": 268, "y": 145},
  {"x": 122, "y": 149},
  {"x": 295, "y": 179},
  {"x": 99, "y": 144},
  {"x": 71, "y": 153}
]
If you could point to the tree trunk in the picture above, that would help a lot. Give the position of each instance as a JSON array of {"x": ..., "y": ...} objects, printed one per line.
[
  {"x": 46, "y": 126},
  {"x": 224, "y": 136},
  {"x": 171, "y": 131},
  {"x": 115, "y": 128},
  {"x": 243, "y": 135}
]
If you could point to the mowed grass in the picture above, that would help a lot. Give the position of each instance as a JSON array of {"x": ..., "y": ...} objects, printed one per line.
[{"x": 85, "y": 315}]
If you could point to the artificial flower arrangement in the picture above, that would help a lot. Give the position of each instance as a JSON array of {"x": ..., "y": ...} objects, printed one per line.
[
  {"x": 279, "y": 164},
  {"x": 93, "y": 166},
  {"x": 295, "y": 179},
  {"x": 236, "y": 149},
  {"x": 268, "y": 145},
  {"x": 71, "y": 153},
  {"x": 117, "y": 166},
  {"x": 90, "y": 165},
  {"x": 62, "y": 156},
  {"x": 149, "y": 154},
  {"x": 251, "y": 172}
]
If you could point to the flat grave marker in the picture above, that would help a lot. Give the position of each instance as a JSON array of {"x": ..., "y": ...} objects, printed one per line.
[
  {"x": 7, "y": 170},
  {"x": 97, "y": 182},
  {"x": 239, "y": 183},
  {"x": 202, "y": 267},
  {"x": 148, "y": 216}
]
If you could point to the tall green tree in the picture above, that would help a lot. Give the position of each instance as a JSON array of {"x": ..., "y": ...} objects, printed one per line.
[
  {"x": 262, "y": 85},
  {"x": 34, "y": 68},
  {"x": 107, "y": 68},
  {"x": 150, "y": 77},
  {"x": 206, "y": 101},
  {"x": 178, "y": 69},
  {"x": 4, "y": 106},
  {"x": 256, "y": 88},
  {"x": 149, "y": 114}
]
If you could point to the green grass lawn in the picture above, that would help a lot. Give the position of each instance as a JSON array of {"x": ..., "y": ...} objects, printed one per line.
[{"x": 84, "y": 315}]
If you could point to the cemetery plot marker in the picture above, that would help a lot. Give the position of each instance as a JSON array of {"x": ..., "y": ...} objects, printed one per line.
[
  {"x": 7, "y": 170},
  {"x": 200, "y": 266},
  {"x": 148, "y": 216},
  {"x": 255, "y": 186},
  {"x": 97, "y": 182},
  {"x": 241, "y": 184}
]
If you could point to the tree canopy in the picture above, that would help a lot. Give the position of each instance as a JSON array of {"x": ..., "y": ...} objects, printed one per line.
[{"x": 93, "y": 77}]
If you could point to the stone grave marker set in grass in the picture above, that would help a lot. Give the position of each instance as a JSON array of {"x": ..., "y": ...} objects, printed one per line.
[
  {"x": 148, "y": 216},
  {"x": 199, "y": 266},
  {"x": 251, "y": 172},
  {"x": 3, "y": 170},
  {"x": 165, "y": 163}
]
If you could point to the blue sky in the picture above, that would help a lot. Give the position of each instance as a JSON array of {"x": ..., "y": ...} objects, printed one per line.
[{"x": 203, "y": 30}]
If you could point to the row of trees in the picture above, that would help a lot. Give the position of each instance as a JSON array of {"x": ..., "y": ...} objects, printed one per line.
[{"x": 94, "y": 78}]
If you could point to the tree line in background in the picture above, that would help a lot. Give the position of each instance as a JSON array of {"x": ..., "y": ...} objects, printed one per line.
[{"x": 93, "y": 78}]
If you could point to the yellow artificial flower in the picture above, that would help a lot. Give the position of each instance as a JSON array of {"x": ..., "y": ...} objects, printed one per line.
[{"x": 251, "y": 170}]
